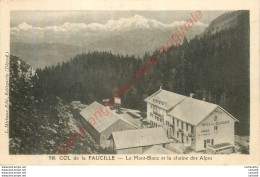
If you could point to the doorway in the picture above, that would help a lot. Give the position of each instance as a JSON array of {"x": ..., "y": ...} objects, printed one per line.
[{"x": 208, "y": 142}]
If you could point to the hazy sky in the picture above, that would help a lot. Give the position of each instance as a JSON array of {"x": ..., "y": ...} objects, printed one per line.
[{"x": 50, "y": 18}]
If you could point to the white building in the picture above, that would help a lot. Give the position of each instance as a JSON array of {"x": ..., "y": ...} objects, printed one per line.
[
  {"x": 194, "y": 122},
  {"x": 139, "y": 141}
]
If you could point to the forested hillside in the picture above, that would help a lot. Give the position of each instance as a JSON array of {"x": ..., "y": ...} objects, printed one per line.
[{"x": 38, "y": 123}]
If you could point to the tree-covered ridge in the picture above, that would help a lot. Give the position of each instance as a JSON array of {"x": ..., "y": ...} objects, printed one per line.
[{"x": 38, "y": 123}]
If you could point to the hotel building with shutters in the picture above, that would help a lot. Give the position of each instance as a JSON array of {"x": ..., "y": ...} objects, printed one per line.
[{"x": 195, "y": 123}]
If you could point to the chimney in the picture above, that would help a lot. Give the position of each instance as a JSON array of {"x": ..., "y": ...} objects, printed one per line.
[
  {"x": 191, "y": 95},
  {"x": 204, "y": 99}
]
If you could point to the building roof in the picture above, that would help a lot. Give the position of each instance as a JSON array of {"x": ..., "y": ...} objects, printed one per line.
[
  {"x": 169, "y": 99},
  {"x": 158, "y": 150},
  {"x": 127, "y": 118},
  {"x": 187, "y": 109},
  {"x": 139, "y": 137},
  {"x": 103, "y": 122},
  {"x": 192, "y": 111}
]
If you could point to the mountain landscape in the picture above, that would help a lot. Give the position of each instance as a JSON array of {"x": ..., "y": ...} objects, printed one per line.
[
  {"x": 212, "y": 62},
  {"x": 125, "y": 36}
]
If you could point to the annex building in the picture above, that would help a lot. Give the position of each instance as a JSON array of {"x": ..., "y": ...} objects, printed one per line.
[
  {"x": 194, "y": 122},
  {"x": 139, "y": 141},
  {"x": 104, "y": 125}
]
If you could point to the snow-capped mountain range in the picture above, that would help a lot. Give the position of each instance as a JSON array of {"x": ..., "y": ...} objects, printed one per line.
[
  {"x": 122, "y": 24},
  {"x": 133, "y": 36}
]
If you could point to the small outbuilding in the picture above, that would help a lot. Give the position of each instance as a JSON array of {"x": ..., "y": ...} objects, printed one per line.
[{"x": 138, "y": 141}]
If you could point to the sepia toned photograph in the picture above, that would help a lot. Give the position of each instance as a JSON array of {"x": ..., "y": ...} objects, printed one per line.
[{"x": 129, "y": 82}]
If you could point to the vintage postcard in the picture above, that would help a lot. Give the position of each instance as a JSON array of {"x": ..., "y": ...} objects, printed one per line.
[{"x": 129, "y": 82}]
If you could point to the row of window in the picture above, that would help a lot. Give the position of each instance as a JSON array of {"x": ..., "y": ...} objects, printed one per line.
[
  {"x": 156, "y": 117},
  {"x": 157, "y": 101},
  {"x": 178, "y": 123},
  {"x": 159, "y": 119},
  {"x": 156, "y": 108},
  {"x": 154, "y": 124},
  {"x": 187, "y": 138},
  {"x": 182, "y": 125}
]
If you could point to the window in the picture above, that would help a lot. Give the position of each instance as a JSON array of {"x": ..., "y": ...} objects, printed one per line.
[
  {"x": 182, "y": 125},
  {"x": 187, "y": 127},
  {"x": 216, "y": 128},
  {"x": 177, "y": 123},
  {"x": 187, "y": 138},
  {"x": 208, "y": 140},
  {"x": 215, "y": 118},
  {"x": 177, "y": 134},
  {"x": 191, "y": 130},
  {"x": 151, "y": 114}
]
